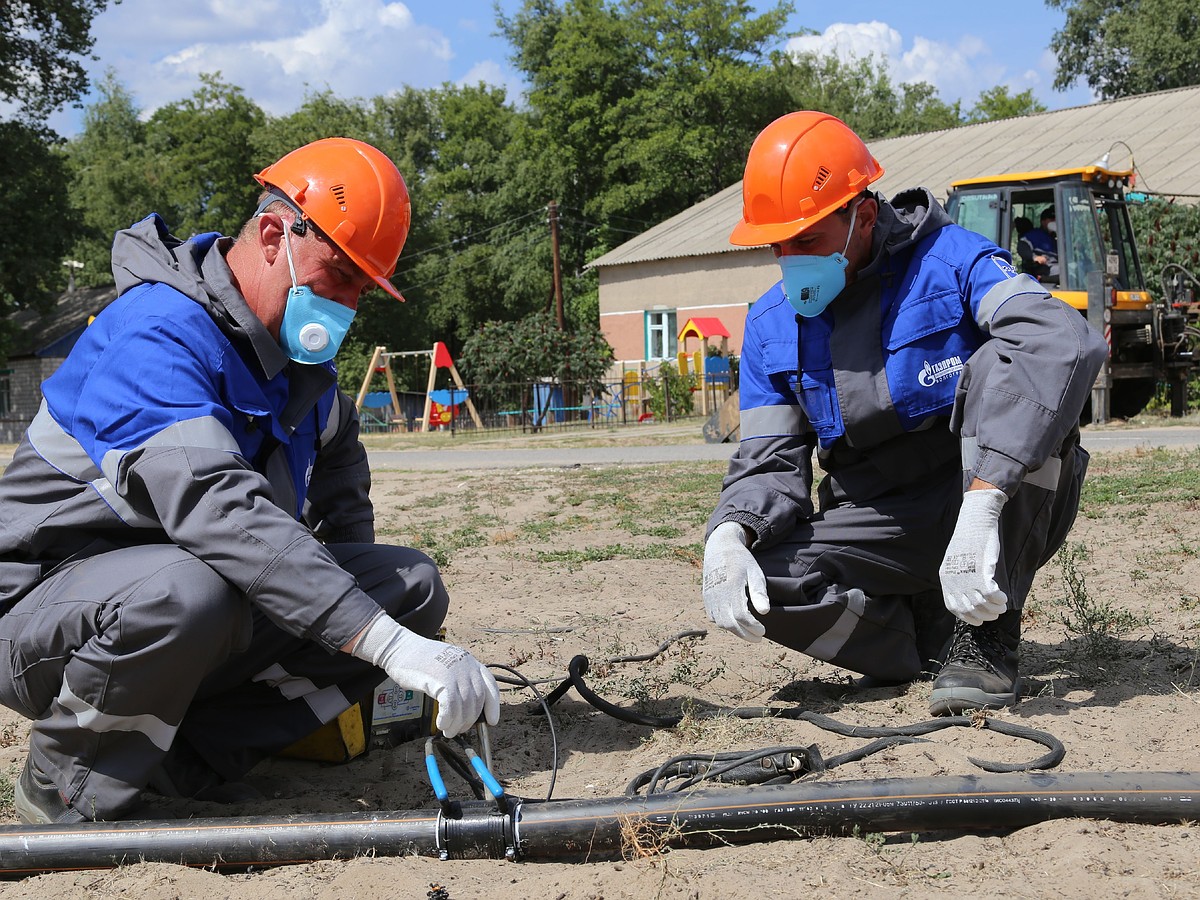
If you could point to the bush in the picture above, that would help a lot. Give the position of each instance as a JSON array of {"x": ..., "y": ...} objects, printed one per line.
[{"x": 669, "y": 385}]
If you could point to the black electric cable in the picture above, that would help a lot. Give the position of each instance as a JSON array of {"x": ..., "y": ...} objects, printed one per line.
[
  {"x": 549, "y": 721},
  {"x": 889, "y": 736}
]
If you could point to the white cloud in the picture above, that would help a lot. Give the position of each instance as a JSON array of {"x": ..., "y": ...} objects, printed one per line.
[
  {"x": 848, "y": 42},
  {"x": 276, "y": 51},
  {"x": 959, "y": 71},
  {"x": 492, "y": 73}
]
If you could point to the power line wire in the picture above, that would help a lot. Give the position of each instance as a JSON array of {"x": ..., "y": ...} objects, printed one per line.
[
  {"x": 459, "y": 267},
  {"x": 467, "y": 237}
]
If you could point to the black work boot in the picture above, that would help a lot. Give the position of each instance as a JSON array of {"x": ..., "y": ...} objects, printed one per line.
[
  {"x": 38, "y": 800},
  {"x": 981, "y": 668}
]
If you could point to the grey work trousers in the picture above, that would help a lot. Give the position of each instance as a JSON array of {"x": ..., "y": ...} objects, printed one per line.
[
  {"x": 842, "y": 585},
  {"x": 138, "y": 659}
]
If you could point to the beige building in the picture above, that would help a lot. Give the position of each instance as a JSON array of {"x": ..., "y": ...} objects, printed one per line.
[{"x": 685, "y": 267}]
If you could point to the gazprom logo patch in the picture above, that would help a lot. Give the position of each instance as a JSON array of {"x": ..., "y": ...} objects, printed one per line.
[
  {"x": 931, "y": 374},
  {"x": 1009, "y": 270}
]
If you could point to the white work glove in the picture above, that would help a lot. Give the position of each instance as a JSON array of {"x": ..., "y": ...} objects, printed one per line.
[
  {"x": 463, "y": 688},
  {"x": 733, "y": 582},
  {"x": 968, "y": 570}
]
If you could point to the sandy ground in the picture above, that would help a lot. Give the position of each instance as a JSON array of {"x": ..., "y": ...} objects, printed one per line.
[{"x": 548, "y": 563}]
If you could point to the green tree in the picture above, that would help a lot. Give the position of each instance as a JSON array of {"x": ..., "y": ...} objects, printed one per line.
[
  {"x": 861, "y": 93},
  {"x": 115, "y": 179},
  {"x": 34, "y": 230},
  {"x": 637, "y": 109},
  {"x": 321, "y": 115},
  {"x": 503, "y": 358},
  {"x": 708, "y": 93},
  {"x": 583, "y": 66},
  {"x": 41, "y": 42},
  {"x": 1125, "y": 47},
  {"x": 921, "y": 110},
  {"x": 207, "y": 157},
  {"x": 40, "y": 70},
  {"x": 996, "y": 103},
  {"x": 469, "y": 254}
]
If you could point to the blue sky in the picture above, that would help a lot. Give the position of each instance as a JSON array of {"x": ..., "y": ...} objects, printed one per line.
[{"x": 276, "y": 50}]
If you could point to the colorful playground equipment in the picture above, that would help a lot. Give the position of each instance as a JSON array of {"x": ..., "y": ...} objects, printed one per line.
[
  {"x": 440, "y": 406},
  {"x": 711, "y": 371}
]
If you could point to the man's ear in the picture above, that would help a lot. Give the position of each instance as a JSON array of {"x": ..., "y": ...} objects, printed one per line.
[
  {"x": 868, "y": 213},
  {"x": 270, "y": 237}
]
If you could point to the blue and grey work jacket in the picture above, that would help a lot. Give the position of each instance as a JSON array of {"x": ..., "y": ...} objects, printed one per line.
[
  {"x": 871, "y": 383},
  {"x": 177, "y": 418}
]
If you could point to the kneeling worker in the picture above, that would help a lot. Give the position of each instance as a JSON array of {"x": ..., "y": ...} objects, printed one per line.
[
  {"x": 188, "y": 575},
  {"x": 941, "y": 393}
]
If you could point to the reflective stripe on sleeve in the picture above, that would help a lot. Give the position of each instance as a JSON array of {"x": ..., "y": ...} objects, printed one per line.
[
  {"x": 986, "y": 310},
  {"x": 772, "y": 421},
  {"x": 331, "y": 423},
  {"x": 62, "y": 451},
  {"x": 829, "y": 644},
  {"x": 1045, "y": 477}
]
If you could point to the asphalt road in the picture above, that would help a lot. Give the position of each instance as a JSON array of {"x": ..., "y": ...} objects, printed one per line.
[
  {"x": 1095, "y": 441},
  {"x": 466, "y": 457}
]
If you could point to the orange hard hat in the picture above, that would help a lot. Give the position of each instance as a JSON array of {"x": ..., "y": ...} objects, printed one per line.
[
  {"x": 354, "y": 194},
  {"x": 801, "y": 167}
]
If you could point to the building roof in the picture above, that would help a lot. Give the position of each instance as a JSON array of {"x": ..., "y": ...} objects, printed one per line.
[
  {"x": 54, "y": 333},
  {"x": 1155, "y": 134}
]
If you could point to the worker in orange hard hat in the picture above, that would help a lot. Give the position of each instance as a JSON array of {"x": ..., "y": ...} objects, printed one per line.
[
  {"x": 940, "y": 391},
  {"x": 189, "y": 539}
]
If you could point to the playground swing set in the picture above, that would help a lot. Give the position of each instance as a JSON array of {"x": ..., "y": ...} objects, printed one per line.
[{"x": 440, "y": 406}]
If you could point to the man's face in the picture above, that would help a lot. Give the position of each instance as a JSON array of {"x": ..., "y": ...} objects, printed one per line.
[
  {"x": 319, "y": 264},
  {"x": 830, "y": 234},
  {"x": 825, "y": 237},
  {"x": 327, "y": 270}
]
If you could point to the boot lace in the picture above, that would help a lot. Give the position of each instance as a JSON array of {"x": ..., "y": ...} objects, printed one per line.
[{"x": 976, "y": 647}]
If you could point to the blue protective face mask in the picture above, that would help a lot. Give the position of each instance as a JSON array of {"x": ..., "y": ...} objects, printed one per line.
[
  {"x": 811, "y": 283},
  {"x": 313, "y": 326}
]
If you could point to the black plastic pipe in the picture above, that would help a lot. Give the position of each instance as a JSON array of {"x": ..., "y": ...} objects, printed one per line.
[
  {"x": 604, "y": 828},
  {"x": 601, "y": 828}
]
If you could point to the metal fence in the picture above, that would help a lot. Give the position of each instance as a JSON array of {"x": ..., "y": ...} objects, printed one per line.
[{"x": 652, "y": 393}]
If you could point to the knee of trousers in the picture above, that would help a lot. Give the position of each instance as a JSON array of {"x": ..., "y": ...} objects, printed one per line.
[
  {"x": 873, "y": 636},
  {"x": 433, "y": 600},
  {"x": 404, "y": 582},
  {"x": 188, "y": 600}
]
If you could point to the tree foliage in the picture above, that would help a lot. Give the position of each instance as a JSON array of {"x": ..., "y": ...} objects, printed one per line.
[
  {"x": 996, "y": 103},
  {"x": 1166, "y": 233},
  {"x": 635, "y": 110},
  {"x": 34, "y": 233},
  {"x": 205, "y": 155},
  {"x": 1125, "y": 47},
  {"x": 115, "y": 179},
  {"x": 41, "y": 42},
  {"x": 503, "y": 358}
]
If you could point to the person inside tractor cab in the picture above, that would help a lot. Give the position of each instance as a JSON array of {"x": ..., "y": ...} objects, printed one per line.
[{"x": 1038, "y": 248}]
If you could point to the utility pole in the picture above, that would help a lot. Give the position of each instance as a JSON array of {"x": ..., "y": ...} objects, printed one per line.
[{"x": 552, "y": 207}]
